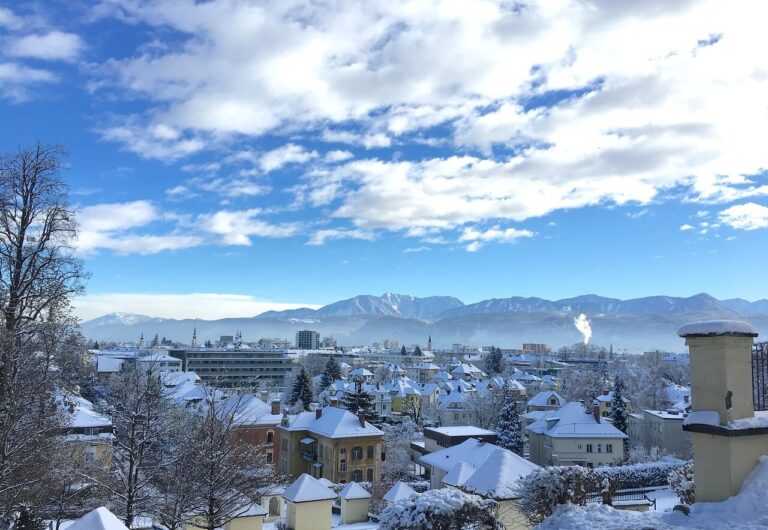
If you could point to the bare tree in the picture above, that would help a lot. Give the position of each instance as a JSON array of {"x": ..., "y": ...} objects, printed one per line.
[
  {"x": 38, "y": 273},
  {"x": 484, "y": 408},
  {"x": 230, "y": 474},
  {"x": 144, "y": 425},
  {"x": 421, "y": 411}
]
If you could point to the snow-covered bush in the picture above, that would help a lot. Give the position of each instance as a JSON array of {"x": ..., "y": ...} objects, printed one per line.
[
  {"x": 443, "y": 509},
  {"x": 639, "y": 475},
  {"x": 681, "y": 482},
  {"x": 546, "y": 488}
]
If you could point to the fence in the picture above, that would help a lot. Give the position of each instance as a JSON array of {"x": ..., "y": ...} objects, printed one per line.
[
  {"x": 625, "y": 495},
  {"x": 760, "y": 375}
]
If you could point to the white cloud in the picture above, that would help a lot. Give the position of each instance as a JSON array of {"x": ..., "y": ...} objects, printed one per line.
[
  {"x": 686, "y": 227},
  {"x": 109, "y": 227},
  {"x": 321, "y": 236},
  {"x": 644, "y": 116},
  {"x": 237, "y": 227},
  {"x": 155, "y": 141},
  {"x": 337, "y": 156},
  {"x": 287, "y": 154},
  {"x": 422, "y": 248},
  {"x": 51, "y": 46},
  {"x": 191, "y": 305},
  {"x": 477, "y": 238},
  {"x": 749, "y": 216}
]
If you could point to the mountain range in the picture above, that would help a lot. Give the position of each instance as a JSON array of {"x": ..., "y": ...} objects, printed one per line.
[{"x": 635, "y": 324}]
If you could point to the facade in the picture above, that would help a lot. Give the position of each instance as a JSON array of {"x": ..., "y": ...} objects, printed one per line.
[
  {"x": 546, "y": 400},
  {"x": 535, "y": 348},
  {"x": 573, "y": 436},
  {"x": 308, "y": 504},
  {"x": 330, "y": 443},
  {"x": 662, "y": 429},
  {"x": 307, "y": 340},
  {"x": 90, "y": 436},
  {"x": 437, "y": 438},
  {"x": 605, "y": 403},
  {"x": 233, "y": 367}
]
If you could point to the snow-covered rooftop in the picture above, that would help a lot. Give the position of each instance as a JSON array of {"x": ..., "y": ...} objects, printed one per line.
[
  {"x": 307, "y": 488},
  {"x": 573, "y": 421},
  {"x": 717, "y": 327},
  {"x": 458, "y": 474},
  {"x": 400, "y": 490},
  {"x": 352, "y": 491},
  {"x": 461, "y": 430},
  {"x": 333, "y": 423},
  {"x": 98, "y": 519},
  {"x": 542, "y": 399},
  {"x": 497, "y": 477}
]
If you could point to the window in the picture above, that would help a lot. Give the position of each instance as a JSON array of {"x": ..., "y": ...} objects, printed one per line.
[
  {"x": 599, "y": 448},
  {"x": 608, "y": 448},
  {"x": 270, "y": 437},
  {"x": 89, "y": 430},
  {"x": 370, "y": 452},
  {"x": 343, "y": 450},
  {"x": 342, "y": 465},
  {"x": 284, "y": 444},
  {"x": 589, "y": 448},
  {"x": 357, "y": 475},
  {"x": 284, "y": 465},
  {"x": 357, "y": 453},
  {"x": 369, "y": 475},
  {"x": 269, "y": 457},
  {"x": 455, "y": 417}
]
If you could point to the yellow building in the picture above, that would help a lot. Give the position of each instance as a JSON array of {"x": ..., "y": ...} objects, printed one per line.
[
  {"x": 309, "y": 504},
  {"x": 354, "y": 503},
  {"x": 89, "y": 434},
  {"x": 330, "y": 443}
]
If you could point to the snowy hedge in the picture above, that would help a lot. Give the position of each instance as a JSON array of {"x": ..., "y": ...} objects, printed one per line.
[
  {"x": 640, "y": 475},
  {"x": 544, "y": 489},
  {"x": 442, "y": 509}
]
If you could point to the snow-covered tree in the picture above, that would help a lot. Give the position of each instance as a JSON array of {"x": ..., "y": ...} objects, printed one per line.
[
  {"x": 542, "y": 490},
  {"x": 228, "y": 474},
  {"x": 619, "y": 413},
  {"x": 331, "y": 373},
  {"x": 302, "y": 389},
  {"x": 681, "y": 482},
  {"x": 492, "y": 362},
  {"x": 440, "y": 509},
  {"x": 509, "y": 427},
  {"x": 484, "y": 408},
  {"x": 397, "y": 450},
  {"x": 583, "y": 385},
  {"x": 360, "y": 401}
]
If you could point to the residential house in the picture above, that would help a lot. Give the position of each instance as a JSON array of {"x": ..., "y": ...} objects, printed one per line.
[
  {"x": 89, "y": 434},
  {"x": 309, "y": 504},
  {"x": 437, "y": 438},
  {"x": 546, "y": 400},
  {"x": 422, "y": 372},
  {"x": 573, "y": 436},
  {"x": 605, "y": 403},
  {"x": 662, "y": 429},
  {"x": 331, "y": 443}
]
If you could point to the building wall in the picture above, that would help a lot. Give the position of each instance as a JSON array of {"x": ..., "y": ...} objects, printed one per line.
[
  {"x": 245, "y": 523},
  {"x": 510, "y": 515},
  {"x": 315, "y": 515},
  {"x": 354, "y": 510},
  {"x": 236, "y": 367},
  {"x": 548, "y": 451},
  {"x": 722, "y": 463},
  {"x": 258, "y": 435}
]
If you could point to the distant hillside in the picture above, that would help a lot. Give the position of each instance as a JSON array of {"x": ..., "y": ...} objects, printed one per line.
[{"x": 637, "y": 324}]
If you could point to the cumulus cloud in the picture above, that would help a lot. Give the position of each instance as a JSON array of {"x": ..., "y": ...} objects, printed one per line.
[
  {"x": 478, "y": 238},
  {"x": 51, "y": 46},
  {"x": 190, "y": 305},
  {"x": 748, "y": 216},
  {"x": 287, "y": 154},
  {"x": 321, "y": 236},
  {"x": 686, "y": 227},
  {"x": 238, "y": 227}
]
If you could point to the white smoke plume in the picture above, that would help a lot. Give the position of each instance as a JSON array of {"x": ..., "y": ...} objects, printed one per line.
[{"x": 582, "y": 324}]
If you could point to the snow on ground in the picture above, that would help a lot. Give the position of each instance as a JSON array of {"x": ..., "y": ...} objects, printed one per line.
[
  {"x": 746, "y": 511},
  {"x": 336, "y": 523}
]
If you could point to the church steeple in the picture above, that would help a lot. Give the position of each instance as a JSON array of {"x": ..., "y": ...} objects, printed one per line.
[
  {"x": 429, "y": 344},
  {"x": 194, "y": 337},
  {"x": 141, "y": 340}
]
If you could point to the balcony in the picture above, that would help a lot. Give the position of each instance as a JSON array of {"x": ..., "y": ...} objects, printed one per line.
[{"x": 309, "y": 456}]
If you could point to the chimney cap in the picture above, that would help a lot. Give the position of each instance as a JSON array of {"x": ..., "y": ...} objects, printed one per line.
[{"x": 717, "y": 328}]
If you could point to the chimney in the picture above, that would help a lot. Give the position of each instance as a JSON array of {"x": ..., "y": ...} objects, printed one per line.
[
  {"x": 71, "y": 408},
  {"x": 264, "y": 396},
  {"x": 596, "y": 412},
  {"x": 275, "y": 406},
  {"x": 318, "y": 413},
  {"x": 361, "y": 417}
]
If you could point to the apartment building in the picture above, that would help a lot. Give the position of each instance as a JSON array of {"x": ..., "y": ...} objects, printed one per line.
[
  {"x": 330, "y": 443},
  {"x": 307, "y": 340},
  {"x": 573, "y": 436},
  {"x": 228, "y": 367}
]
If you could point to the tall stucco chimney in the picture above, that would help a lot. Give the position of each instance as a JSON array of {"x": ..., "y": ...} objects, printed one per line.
[
  {"x": 275, "y": 406},
  {"x": 596, "y": 412},
  {"x": 318, "y": 413}
]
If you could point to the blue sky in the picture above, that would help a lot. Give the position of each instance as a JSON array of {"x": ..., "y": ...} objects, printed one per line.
[{"x": 231, "y": 157}]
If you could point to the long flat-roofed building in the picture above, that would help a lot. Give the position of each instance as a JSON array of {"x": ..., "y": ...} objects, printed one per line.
[{"x": 234, "y": 367}]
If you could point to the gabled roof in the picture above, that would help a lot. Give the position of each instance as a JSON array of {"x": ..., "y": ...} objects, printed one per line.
[
  {"x": 353, "y": 490},
  {"x": 497, "y": 477},
  {"x": 306, "y": 489},
  {"x": 333, "y": 423},
  {"x": 573, "y": 421},
  {"x": 542, "y": 399},
  {"x": 400, "y": 490},
  {"x": 458, "y": 474},
  {"x": 470, "y": 451},
  {"x": 98, "y": 519},
  {"x": 83, "y": 417},
  {"x": 362, "y": 372}
]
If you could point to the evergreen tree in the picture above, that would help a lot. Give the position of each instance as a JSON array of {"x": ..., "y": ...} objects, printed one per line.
[
  {"x": 619, "y": 413},
  {"x": 360, "y": 401},
  {"x": 492, "y": 362},
  {"x": 403, "y": 351},
  {"x": 155, "y": 341},
  {"x": 417, "y": 351},
  {"x": 331, "y": 373},
  {"x": 509, "y": 427},
  {"x": 302, "y": 389},
  {"x": 96, "y": 345}
]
